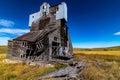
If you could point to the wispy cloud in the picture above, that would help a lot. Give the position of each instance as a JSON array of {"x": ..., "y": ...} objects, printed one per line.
[
  {"x": 117, "y": 33},
  {"x": 13, "y": 31},
  {"x": 6, "y": 23},
  {"x": 6, "y": 34},
  {"x": 4, "y": 40}
]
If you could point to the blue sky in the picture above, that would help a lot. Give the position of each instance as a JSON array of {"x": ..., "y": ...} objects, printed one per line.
[{"x": 92, "y": 23}]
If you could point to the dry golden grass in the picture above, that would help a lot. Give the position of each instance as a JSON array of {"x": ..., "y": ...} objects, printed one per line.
[
  {"x": 3, "y": 49},
  {"x": 10, "y": 70},
  {"x": 102, "y": 65},
  {"x": 48, "y": 79},
  {"x": 115, "y": 53},
  {"x": 105, "y": 71},
  {"x": 21, "y": 71}
]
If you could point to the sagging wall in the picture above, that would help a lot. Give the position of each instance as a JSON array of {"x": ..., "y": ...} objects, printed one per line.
[{"x": 48, "y": 38}]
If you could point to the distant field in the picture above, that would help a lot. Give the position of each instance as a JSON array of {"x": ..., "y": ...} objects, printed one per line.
[
  {"x": 114, "y": 48},
  {"x": 99, "y": 51},
  {"x": 116, "y": 53}
]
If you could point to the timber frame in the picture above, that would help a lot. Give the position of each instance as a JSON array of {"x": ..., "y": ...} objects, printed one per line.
[{"x": 48, "y": 38}]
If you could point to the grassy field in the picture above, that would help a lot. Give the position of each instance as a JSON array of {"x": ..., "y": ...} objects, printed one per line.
[
  {"x": 3, "y": 49},
  {"x": 102, "y": 65},
  {"x": 114, "y": 53},
  {"x": 22, "y": 71}
]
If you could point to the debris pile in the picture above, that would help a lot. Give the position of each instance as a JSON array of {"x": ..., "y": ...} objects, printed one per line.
[{"x": 71, "y": 72}]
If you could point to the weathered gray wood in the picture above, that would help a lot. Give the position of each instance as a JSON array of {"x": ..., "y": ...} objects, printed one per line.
[{"x": 47, "y": 40}]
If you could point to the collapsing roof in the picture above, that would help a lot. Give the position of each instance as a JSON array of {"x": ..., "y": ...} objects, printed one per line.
[
  {"x": 32, "y": 36},
  {"x": 48, "y": 38}
]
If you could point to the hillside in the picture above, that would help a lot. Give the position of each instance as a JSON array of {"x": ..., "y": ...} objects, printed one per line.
[
  {"x": 3, "y": 49},
  {"x": 114, "y": 48}
]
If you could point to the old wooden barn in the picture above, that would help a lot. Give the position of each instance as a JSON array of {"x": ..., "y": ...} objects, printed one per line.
[{"x": 48, "y": 38}]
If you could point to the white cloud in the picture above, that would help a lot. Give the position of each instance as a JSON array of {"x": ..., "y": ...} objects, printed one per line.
[
  {"x": 6, "y": 23},
  {"x": 13, "y": 31},
  {"x": 4, "y": 40},
  {"x": 117, "y": 33}
]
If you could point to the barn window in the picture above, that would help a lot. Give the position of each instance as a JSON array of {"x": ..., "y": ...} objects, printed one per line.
[
  {"x": 23, "y": 43},
  {"x": 55, "y": 44},
  {"x": 55, "y": 38},
  {"x": 44, "y": 7}
]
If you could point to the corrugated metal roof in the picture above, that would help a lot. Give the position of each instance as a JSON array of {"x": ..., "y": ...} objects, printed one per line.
[{"x": 32, "y": 36}]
